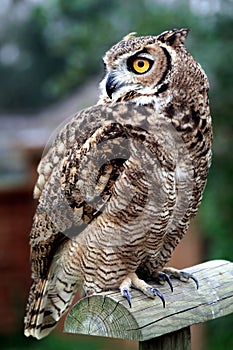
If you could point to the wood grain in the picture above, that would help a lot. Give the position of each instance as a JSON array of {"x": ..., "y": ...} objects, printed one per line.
[
  {"x": 179, "y": 340},
  {"x": 108, "y": 314}
]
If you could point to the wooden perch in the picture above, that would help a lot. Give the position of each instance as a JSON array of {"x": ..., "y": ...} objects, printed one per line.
[{"x": 108, "y": 314}]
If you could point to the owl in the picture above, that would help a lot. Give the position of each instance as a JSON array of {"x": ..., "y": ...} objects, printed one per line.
[{"x": 121, "y": 180}]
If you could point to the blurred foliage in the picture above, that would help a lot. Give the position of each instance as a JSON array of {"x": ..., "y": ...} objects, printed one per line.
[{"x": 49, "y": 48}]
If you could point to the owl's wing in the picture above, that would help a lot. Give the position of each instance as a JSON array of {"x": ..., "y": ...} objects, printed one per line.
[
  {"x": 79, "y": 172},
  {"x": 75, "y": 193},
  {"x": 112, "y": 169}
]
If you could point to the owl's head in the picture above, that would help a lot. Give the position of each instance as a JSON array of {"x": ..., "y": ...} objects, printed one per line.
[{"x": 142, "y": 69}]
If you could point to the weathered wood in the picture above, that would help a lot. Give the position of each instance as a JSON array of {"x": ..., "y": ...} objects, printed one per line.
[
  {"x": 179, "y": 340},
  {"x": 108, "y": 314}
]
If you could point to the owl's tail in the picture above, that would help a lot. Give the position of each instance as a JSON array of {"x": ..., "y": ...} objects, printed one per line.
[{"x": 46, "y": 305}]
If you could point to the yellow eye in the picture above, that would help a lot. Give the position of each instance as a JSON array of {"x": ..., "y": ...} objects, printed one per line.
[{"x": 141, "y": 65}]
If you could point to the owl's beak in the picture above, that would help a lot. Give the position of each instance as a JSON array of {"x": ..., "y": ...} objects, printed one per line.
[{"x": 111, "y": 85}]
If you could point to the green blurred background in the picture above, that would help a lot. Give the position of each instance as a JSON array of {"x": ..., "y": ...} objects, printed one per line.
[{"x": 50, "y": 48}]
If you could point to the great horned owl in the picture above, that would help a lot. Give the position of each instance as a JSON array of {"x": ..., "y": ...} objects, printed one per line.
[{"x": 121, "y": 180}]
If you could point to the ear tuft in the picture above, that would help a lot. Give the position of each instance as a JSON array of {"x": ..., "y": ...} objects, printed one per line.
[
  {"x": 129, "y": 36},
  {"x": 173, "y": 37}
]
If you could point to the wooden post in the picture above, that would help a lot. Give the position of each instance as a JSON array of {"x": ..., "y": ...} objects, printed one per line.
[
  {"x": 178, "y": 340},
  {"x": 108, "y": 314}
]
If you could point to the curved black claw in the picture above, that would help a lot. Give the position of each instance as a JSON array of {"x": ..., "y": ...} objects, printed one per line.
[
  {"x": 85, "y": 294},
  {"x": 126, "y": 294},
  {"x": 155, "y": 291},
  {"x": 164, "y": 276},
  {"x": 188, "y": 275}
]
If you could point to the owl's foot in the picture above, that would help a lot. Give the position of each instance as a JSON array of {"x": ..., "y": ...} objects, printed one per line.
[
  {"x": 132, "y": 280},
  {"x": 170, "y": 272}
]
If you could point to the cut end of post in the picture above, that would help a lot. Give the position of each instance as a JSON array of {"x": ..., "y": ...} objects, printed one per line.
[{"x": 103, "y": 316}]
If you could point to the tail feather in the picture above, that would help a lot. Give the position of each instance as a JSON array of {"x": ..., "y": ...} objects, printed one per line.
[
  {"x": 35, "y": 309},
  {"x": 46, "y": 305}
]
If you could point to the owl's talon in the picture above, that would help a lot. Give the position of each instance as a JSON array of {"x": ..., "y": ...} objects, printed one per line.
[
  {"x": 151, "y": 291},
  {"x": 125, "y": 292},
  {"x": 187, "y": 276},
  {"x": 180, "y": 275},
  {"x": 87, "y": 292},
  {"x": 162, "y": 277}
]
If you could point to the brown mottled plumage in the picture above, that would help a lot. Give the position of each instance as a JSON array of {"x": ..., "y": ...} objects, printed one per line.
[{"x": 119, "y": 184}]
